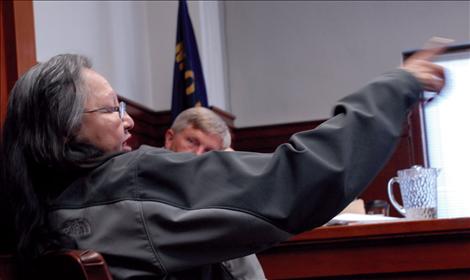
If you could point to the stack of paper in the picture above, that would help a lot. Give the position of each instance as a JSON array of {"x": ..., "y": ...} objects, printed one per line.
[{"x": 352, "y": 218}]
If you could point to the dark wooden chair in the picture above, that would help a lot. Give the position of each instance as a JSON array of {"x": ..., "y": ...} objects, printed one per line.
[
  {"x": 7, "y": 267},
  {"x": 67, "y": 264}
]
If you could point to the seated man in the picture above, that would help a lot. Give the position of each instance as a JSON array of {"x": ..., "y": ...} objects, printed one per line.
[{"x": 199, "y": 130}]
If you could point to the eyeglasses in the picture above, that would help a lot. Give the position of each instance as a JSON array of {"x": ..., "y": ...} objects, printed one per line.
[{"x": 121, "y": 109}]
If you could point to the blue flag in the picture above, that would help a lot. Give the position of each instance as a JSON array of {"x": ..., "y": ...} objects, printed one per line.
[{"x": 189, "y": 89}]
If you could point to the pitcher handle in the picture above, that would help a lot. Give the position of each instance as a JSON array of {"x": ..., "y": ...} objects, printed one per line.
[{"x": 394, "y": 202}]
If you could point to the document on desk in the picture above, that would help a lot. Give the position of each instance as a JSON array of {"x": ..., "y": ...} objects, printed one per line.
[{"x": 352, "y": 218}]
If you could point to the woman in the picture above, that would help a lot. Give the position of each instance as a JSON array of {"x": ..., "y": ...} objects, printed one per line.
[{"x": 69, "y": 179}]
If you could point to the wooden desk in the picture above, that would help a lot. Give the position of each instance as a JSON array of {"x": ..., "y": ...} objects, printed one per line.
[{"x": 430, "y": 249}]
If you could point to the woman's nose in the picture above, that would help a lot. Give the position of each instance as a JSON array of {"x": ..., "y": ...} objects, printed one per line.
[{"x": 128, "y": 122}]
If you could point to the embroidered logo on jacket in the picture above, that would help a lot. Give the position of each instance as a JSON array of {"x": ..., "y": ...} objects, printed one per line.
[{"x": 76, "y": 227}]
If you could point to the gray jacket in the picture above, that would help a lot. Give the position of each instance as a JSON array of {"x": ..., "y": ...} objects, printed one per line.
[{"x": 156, "y": 214}]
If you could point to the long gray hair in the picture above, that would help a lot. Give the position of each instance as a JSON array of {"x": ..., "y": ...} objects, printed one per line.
[{"x": 44, "y": 113}]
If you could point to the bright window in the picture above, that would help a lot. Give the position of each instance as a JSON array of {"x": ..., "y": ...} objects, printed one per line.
[{"x": 446, "y": 122}]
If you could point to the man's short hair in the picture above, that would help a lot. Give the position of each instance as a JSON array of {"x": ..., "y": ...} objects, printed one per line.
[{"x": 205, "y": 120}]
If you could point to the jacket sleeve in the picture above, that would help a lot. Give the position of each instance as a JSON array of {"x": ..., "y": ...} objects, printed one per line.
[{"x": 221, "y": 205}]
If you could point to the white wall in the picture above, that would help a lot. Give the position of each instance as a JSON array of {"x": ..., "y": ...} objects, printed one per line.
[
  {"x": 290, "y": 61},
  {"x": 266, "y": 62},
  {"x": 133, "y": 44},
  {"x": 112, "y": 34}
]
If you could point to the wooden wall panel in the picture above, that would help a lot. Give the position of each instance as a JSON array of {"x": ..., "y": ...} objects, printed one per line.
[
  {"x": 17, "y": 45},
  {"x": 265, "y": 139},
  {"x": 6, "y": 65},
  {"x": 3, "y": 66},
  {"x": 25, "y": 39}
]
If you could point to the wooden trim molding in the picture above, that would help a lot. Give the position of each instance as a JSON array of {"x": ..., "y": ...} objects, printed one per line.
[
  {"x": 3, "y": 65},
  {"x": 25, "y": 39},
  {"x": 17, "y": 46}
]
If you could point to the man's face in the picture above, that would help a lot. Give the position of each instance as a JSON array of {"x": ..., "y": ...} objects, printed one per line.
[
  {"x": 192, "y": 140},
  {"x": 104, "y": 130}
]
